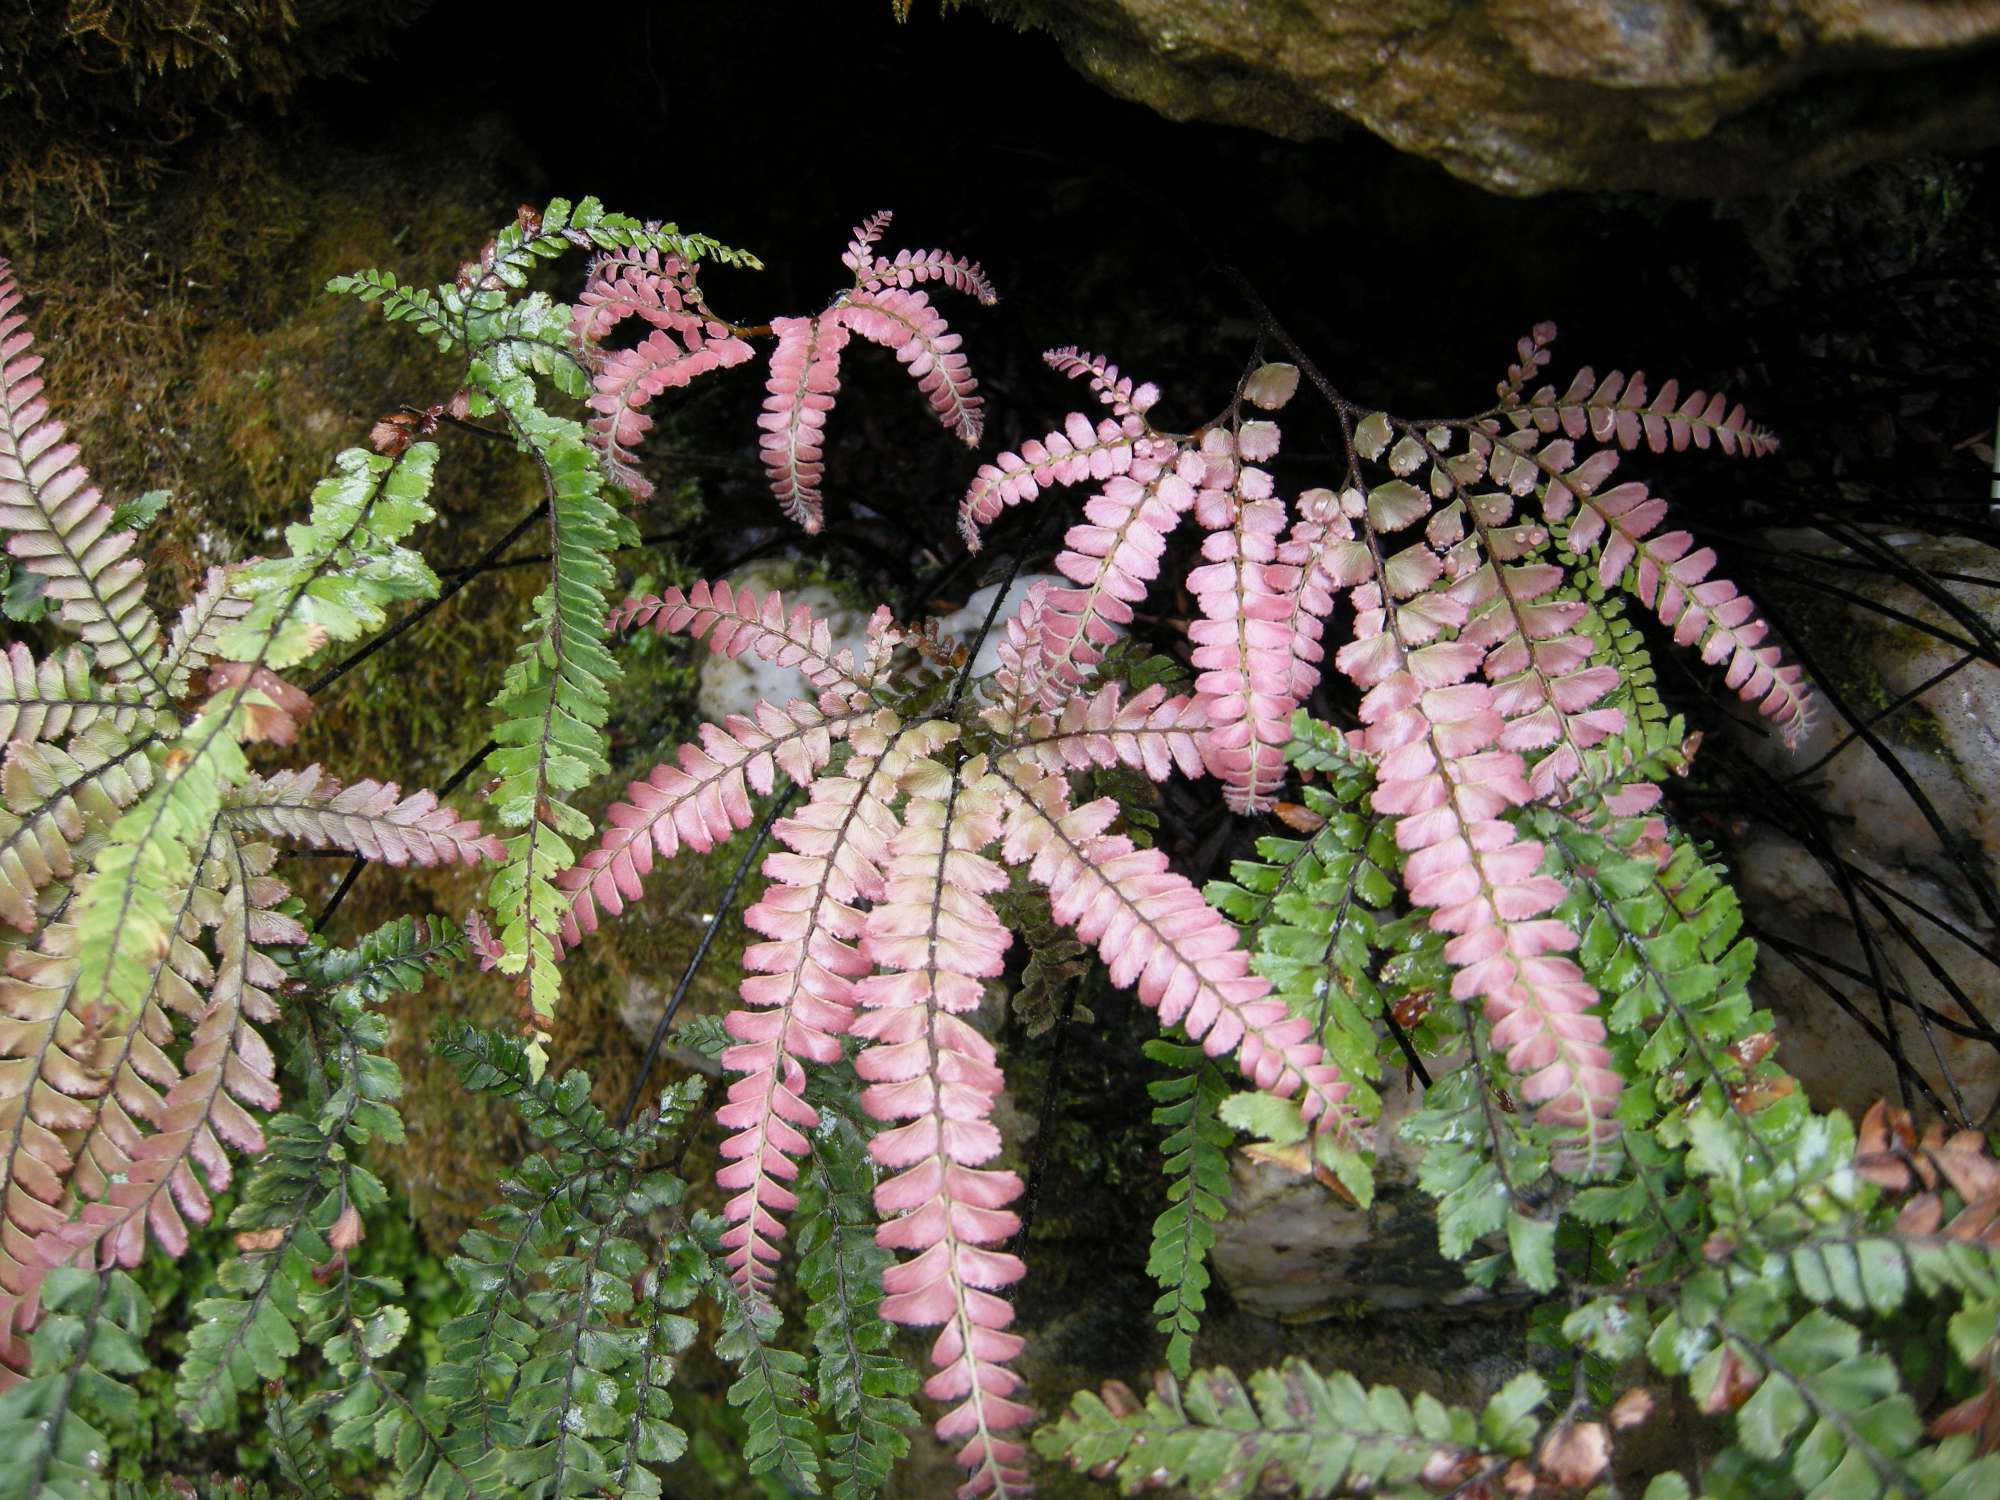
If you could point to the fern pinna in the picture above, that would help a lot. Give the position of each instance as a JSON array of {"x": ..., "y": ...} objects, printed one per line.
[{"x": 138, "y": 847}]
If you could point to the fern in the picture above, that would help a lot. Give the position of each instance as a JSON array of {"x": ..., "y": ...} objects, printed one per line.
[
  {"x": 1197, "y": 1164},
  {"x": 303, "y": 1208},
  {"x": 771, "y": 1388},
  {"x": 90, "y": 1334},
  {"x": 1294, "y": 1427},
  {"x": 860, "y": 1382},
  {"x": 133, "y": 820}
]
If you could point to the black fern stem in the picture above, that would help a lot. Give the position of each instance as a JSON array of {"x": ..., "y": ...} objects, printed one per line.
[{"x": 721, "y": 914}]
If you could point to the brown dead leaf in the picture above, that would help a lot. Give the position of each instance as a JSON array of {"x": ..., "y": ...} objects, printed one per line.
[
  {"x": 1576, "y": 1453},
  {"x": 1735, "y": 1382},
  {"x": 1632, "y": 1408}
]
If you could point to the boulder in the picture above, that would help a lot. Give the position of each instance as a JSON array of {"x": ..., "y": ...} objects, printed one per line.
[
  {"x": 1847, "y": 848},
  {"x": 1527, "y": 96}
]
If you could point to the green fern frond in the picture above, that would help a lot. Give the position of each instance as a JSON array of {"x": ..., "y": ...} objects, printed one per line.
[
  {"x": 345, "y": 562},
  {"x": 1292, "y": 1426},
  {"x": 400, "y": 304},
  {"x": 305, "y": 1204},
  {"x": 51, "y": 1439},
  {"x": 860, "y": 1382},
  {"x": 555, "y": 697},
  {"x": 555, "y": 1380},
  {"x": 770, "y": 1390},
  {"x": 1197, "y": 1167}
]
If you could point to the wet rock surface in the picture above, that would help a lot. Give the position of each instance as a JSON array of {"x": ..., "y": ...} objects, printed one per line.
[{"x": 1526, "y": 96}]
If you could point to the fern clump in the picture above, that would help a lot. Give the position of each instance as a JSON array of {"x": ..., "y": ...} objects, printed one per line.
[{"x": 1478, "y": 883}]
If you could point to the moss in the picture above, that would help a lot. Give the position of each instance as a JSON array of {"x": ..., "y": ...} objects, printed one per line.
[{"x": 93, "y": 93}]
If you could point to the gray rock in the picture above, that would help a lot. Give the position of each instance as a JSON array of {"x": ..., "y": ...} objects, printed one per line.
[
  {"x": 1526, "y": 96},
  {"x": 1947, "y": 744}
]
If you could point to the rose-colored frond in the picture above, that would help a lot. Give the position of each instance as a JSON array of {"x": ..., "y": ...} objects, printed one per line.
[
  {"x": 635, "y": 283},
  {"x": 907, "y": 323},
  {"x": 1110, "y": 558},
  {"x": 627, "y": 380},
  {"x": 1531, "y": 354},
  {"x": 1116, "y": 391},
  {"x": 1670, "y": 575},
  {"x": 1075, "y": 452},
  {"x": 1321, "y": 557},
  {"x": 1155, "y": 932},
  {"x": 804, "y": 379},
  {"x": 798, "y": 996},
  {"x": 733, "y": 621},
  {"x": 369, "y": 817},
  {"x": 861, "y": 248},
  {"x": 58, "y": 524},
  {"x": 1546, "y": 686},
  {"x": 932, "y": 1080},
  {"x": 44, "y": 1099},
  {"x": 1615, "y": 409},
  {"x": 134, "y": 1181},
  {"x": 1153, "y": 733},
  {"x": 50, "y": 798},
  {"x": 197, "y": 633},
  {"x": 1440, "y": 772},
  {"x": 54, "y": 697},
  {"x": 699, "y": 799},
  {"x": 908, "y": 267},
  {"x": 1245, "y": 640}
]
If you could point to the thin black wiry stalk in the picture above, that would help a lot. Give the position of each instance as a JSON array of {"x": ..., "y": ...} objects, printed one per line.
[
  {"x": 1876, "y": 718},
  {"x": 1913, "y": 575},
  {"x": 715, "y": 921},
  {"x": 1975, "y": 875},
  {"x": 423, "y": 611},
  {"x": 1905, "y": 1074}
]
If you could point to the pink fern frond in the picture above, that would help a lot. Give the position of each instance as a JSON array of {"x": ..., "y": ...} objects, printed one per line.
[
  {"x": 134, "y": 1184},
  {"x": 1152, "y": 733},
  {"x": 50, "y": 796},
  {"x": 1155, "y": 932},
  {"x": 699, "y": 799},
  {"x": 1531, "y": 354},
  {"x": 1075, "y": 452},
  {"x": 1116, "y": 391},
  {"x": 733, "y": 621},
  {"x": 46, "y": 1101},
  {"x": 908, "y": 267},
  {"x": 804, "y": 380},
  {"x": 197, "y": 633},
  {"x": 371, "y": 818},
  {"x": 1615, "y": 410},
  {"x": 54, "y": 697},
  {"x": 861, "y": 248},
  {"x": 932, "y": 1081},
  {"x": 1546, "y": 683},
  {"x": 1110, "y": 558},
  {"x": 906, "y": 323},
  {"x": 1670, "y": 576},
  {"x": 59, "y": 526},
  {"x": 798, "y": 996},
  {"x": 1321, "y": 557},
  {"x": 627, "y": 380},
  {"x": 637, "y": 283},
  {"x": 1245, "y": 640},
  {"x": 1440, "y": 772}
]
